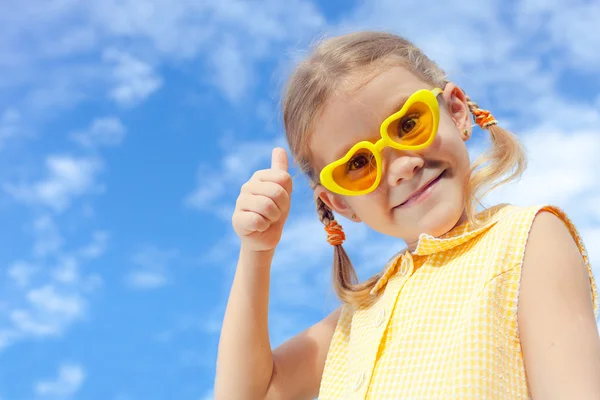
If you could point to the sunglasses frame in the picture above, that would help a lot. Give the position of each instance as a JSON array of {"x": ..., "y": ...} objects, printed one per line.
[{"x": 424, "y": 96}]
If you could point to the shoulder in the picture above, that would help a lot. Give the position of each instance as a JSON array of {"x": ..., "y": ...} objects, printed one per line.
[
  {"x": 550, "y": 234},
  {"x": 555, "y": 271},
  {"x": 554, "y": 254},
  {"x": 556, "y": 306},
  {"x": 553, "y": 245}
]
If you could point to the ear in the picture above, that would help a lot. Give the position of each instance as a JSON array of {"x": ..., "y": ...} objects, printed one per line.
[
  {"x": 458, "y": 109},
  {"x": 336, "y": 202}
]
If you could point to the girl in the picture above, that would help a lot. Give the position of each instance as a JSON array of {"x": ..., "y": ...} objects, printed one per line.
[{"x": 499, "y": 304}]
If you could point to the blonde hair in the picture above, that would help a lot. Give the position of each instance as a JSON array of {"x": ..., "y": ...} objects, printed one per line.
[{"x": 332, "y": 66}]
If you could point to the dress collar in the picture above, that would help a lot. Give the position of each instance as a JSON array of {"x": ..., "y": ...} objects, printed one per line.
[{"x": 427, "y": 244}]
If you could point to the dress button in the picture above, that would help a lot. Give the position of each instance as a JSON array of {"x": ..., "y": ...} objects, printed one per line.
[
  {"x": 359, "y": 381},
  {"x": 380, "y": 318}
]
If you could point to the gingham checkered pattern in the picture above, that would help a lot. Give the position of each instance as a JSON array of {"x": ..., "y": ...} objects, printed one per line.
[{"x": 445, "y": 325}]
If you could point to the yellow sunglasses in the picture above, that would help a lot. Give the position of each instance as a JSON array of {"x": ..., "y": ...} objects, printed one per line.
[{"x": 412, "y": 128}]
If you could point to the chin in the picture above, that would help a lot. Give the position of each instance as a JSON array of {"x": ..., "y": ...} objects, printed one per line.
[{"x": 441, "y": 218}]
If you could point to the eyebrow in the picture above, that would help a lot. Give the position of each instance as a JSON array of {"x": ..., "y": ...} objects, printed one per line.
[{"x": 399, "y": 104}]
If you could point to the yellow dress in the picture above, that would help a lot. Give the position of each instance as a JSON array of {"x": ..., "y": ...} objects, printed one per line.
[{"x": 445, "y": 325}]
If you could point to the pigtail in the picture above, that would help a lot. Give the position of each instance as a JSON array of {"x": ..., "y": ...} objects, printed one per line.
[
  {"x": 345, "y": 280},
  {"x": 503, "y": 162}
]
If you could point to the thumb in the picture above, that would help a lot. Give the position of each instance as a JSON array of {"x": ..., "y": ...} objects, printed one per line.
[{"x": 279, "y": 159}]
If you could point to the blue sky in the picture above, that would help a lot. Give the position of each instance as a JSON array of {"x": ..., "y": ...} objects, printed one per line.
[{"x": 127, "y": 128}]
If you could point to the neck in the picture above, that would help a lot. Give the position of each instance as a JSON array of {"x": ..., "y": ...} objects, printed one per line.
[{"x": 412, "y": 245}]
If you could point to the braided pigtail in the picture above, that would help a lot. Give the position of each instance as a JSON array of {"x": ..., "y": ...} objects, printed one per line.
[
  {"x": 503, "y": 162},
  {"x": 345, "y": 280}
]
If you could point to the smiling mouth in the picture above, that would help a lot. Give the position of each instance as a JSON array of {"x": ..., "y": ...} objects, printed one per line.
[{"x": 424, "y": 188}]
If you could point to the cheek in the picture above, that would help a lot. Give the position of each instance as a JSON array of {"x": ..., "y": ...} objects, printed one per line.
[
  {"x": 449, "y": 146},
  {"x": 367, "y": 205},
  {"x": 461, "y": 154}
]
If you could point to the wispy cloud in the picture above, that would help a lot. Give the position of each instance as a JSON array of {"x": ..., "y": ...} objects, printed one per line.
[
  {"x": 119, "y": 48},
  {"x": 67, "y": 177},
  {"x": 106, "y": 131},
  {"x": 134, "y": 79},
  {"x": 97, "y": 246},
  {"x": 151, "y": 268},
  {"x": 44, "y": 295},
  {"x": 47, "y": 237},
  {"x": 568, "y": 29},
  {"x": 48, "y": 311},
  {"x": 70, "y": 378},
  {"x": 10, "y": 122},
  {"x": 21, "y": 272},
  {"x": 231, "y": 73},
  {"x": 550, "y": 178},
  {"x": 146, "y": 279}
]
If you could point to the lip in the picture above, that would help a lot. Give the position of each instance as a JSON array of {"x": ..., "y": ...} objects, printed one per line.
[{"x": 422, "y": 189}]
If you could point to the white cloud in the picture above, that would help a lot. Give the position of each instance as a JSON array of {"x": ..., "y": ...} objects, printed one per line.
[
  {"x": 97, "y": 247},
  {"x": 78, "y": 39},
  {"x": 67, "y": 271},
  {"x": 134, "y": 79},
  {"x": 67, "y": 178},
  {"x": 561, "y": 169},
  {"x": 52, "y": 54},
  {"x": 231, "y": 73},
  {"x": 49, "y": 312},
  {"x": 45, "y": 297},
  {"x": 48, "y": 299},
  {"x": 570, "y": 29},
  {"x": 47, "y": 238},
  {"x": 106, "y": 131},
  {"x": 152, "y": 267},
  {"x": 10, "y": 124},
  {"x": 21, "y": 272},
  {"x": 146, "y": 279},
  {"x": 68, "y": 382}
]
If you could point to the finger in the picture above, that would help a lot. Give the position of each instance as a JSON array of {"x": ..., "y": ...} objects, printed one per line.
[
  {"x": 250, "y": 222},
  {"x": 279, "y": 177},
  {"x": 272, "y": 190},
  {"x": 277, "y": 193},
  {"x": 261, "y": 205},
  {"x": 279, "y": 159}
]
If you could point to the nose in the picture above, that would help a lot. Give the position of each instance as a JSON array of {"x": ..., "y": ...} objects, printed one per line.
[{"x": 402, "y": 166}]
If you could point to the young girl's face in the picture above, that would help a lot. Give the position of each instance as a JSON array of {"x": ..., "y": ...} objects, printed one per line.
[{"x": 353, "y": 116}]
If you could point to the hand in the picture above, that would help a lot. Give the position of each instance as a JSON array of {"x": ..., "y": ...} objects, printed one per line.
[{"x": 264, "y": 204}]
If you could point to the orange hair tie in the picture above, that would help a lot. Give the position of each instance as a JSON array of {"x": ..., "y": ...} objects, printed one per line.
[
  {"x": 335, "y": 234},
  {"x": 484, "y": 118}
]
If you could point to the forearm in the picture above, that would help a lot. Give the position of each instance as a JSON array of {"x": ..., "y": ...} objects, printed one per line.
[{"x": 245, "y": 359}]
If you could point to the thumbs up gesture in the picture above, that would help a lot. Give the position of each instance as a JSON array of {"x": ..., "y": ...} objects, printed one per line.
[{"x": 263, "y": 205}]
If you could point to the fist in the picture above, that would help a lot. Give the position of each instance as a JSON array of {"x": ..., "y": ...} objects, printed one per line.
[{"x": 263, "y": 205}]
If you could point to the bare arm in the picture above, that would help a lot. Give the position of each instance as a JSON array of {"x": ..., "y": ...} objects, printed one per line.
[
  {"x": 300, "y": 361},
  {"x": 245, "y": 361},
  {"x": 246, "y": 367},
  {"x": 559, "y": 336}
]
